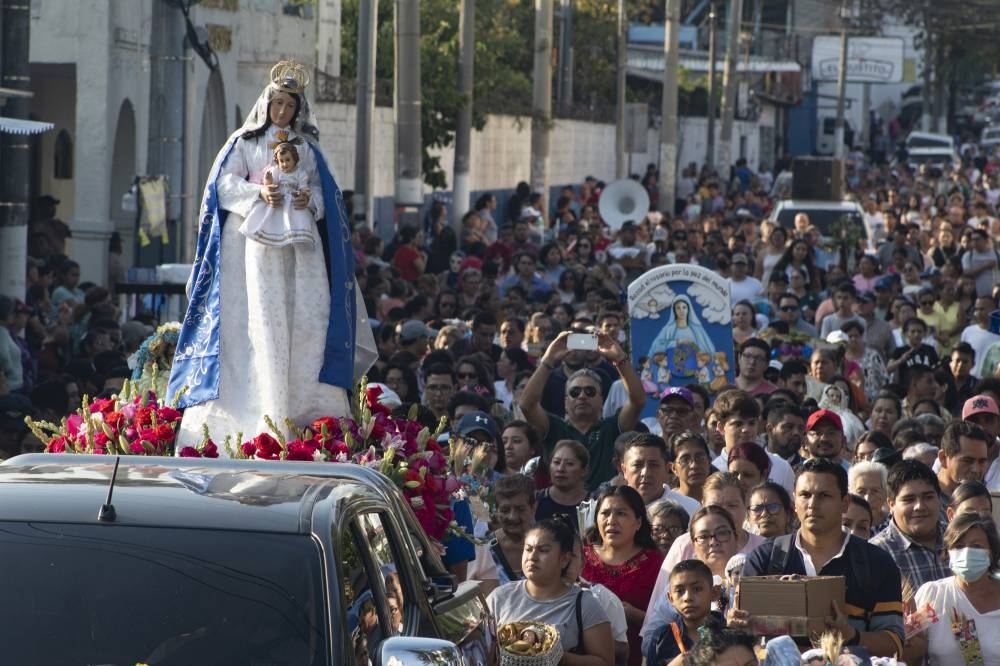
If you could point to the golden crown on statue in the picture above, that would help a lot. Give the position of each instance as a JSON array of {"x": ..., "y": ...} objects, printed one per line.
[{"x": 289, "y": 76}]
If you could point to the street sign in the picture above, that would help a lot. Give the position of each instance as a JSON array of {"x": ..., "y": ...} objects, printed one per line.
[{"x": 869, "y": 59}]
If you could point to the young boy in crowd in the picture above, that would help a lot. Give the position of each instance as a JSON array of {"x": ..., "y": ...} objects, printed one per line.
[{"x": 691, "y": 594}]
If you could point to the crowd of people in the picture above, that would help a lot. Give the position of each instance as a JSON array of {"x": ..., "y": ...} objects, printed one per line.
[{"x": 860, "y": 437}]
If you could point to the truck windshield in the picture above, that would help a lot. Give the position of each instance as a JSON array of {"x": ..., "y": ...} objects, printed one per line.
[{"x": 120, "y": 595}]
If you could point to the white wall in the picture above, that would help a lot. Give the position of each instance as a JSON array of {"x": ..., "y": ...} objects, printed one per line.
[{"x": 501, "y": 151}]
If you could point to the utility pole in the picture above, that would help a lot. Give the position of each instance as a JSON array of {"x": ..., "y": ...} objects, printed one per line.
[
  {"x": 620, "y": 93},
  {"x": 668, "y": 127},
  {"x": 463, "y": 130},
  {"x": 363, "y": 132},
  {"x": 564, "y": 91},
  {"x": 713, "y": 19},
  {"x": 838, "y": 127},
  {"x": 166, "y": 136},
  {"x": 15, "y": 149},
  {"x": 409, "y": 157},
  {"x": 729, "y": 88},
  {"x": 541, "y": 98}
]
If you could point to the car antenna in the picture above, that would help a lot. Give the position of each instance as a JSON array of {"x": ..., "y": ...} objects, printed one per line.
[{"x": 107, "y": 512}]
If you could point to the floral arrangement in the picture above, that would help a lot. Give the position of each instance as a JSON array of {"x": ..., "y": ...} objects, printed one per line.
[
  {"x": 132, "y": 423},
  {"x": 136, "y": 423}
]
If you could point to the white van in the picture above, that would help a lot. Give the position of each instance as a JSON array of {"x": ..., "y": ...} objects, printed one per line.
[{"x": 930, "y": 148}]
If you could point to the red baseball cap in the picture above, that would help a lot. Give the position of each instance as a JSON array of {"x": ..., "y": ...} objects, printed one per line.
[{"x": 821, "y": 416}]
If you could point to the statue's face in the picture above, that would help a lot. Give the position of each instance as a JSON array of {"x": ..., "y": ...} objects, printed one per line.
[{"x": 281, "y": 109}]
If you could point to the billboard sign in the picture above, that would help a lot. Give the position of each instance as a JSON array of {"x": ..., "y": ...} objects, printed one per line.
[{"x": 869, "y": 59}]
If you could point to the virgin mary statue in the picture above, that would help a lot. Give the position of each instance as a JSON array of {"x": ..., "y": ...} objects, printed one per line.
[
  {"x": 682, "y": 338},
  {"x": 277, "y": 331}
]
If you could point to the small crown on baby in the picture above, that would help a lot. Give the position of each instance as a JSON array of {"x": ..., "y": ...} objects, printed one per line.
[{"x": 289, "y": 76}]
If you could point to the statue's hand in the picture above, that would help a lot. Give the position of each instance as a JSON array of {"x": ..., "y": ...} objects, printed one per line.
[
  {"x": 271, "y": 195},
  {"x": 301, "y": 199}
]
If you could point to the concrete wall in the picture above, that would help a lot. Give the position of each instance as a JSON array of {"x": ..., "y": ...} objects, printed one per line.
[{"x": 501, "y": 150}]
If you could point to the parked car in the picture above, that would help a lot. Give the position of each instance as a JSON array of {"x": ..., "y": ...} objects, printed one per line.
[
  {"x": 170, "y": 561},
  {"x": 934, "y": 150},
  {"x": 990, "y": 138}
]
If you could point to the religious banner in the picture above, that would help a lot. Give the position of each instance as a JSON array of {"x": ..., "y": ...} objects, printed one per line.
[{"x": 681, "y": 330}]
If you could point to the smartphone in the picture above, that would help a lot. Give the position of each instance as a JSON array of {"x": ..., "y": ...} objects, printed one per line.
[{"x": 582, "y": 341}]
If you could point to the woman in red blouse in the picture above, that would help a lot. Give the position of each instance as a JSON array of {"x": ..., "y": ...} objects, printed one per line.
[{"x": 622, "y": 555}]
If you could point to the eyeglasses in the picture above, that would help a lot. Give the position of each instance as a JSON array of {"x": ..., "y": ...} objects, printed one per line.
[
  {"x": 789, "y": 308},
  {"x": 675, "y": 411},
  {"x": 772, "y": 508},
  {"x": 753, "y": 358},
  {"x": 688, "y": 460},
  {"x": 467, "y": 375},
  {"x": 673, "y": 531},
  {"x": 722, "y": 535},
  {"x": 927, "y": 302},
  {"x": 438, "y": 388},
  {"x": 589, "y": 391}
]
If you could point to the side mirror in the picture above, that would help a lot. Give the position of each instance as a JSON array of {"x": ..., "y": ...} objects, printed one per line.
[{"x": 415, "y": 650}]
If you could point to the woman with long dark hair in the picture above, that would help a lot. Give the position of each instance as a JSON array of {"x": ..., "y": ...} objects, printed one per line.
[{"x": 620, "y": 554}]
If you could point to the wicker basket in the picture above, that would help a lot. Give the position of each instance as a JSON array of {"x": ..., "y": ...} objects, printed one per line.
[{"x": 511, "y": 631}]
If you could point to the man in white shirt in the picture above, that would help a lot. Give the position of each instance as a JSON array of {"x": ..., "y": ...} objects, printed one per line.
[
  {"x": 743, "y": 287},
  {"x": 738, "y": 416},
  {"x": 978, "y": 333},
  {"x": 644, "y": 468}
]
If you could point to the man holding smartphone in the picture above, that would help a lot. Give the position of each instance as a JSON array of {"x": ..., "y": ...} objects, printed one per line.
[{"x": 584, "y": 401}]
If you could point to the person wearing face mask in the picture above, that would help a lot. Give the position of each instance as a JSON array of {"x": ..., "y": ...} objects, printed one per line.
[{"x": 967, "y": 603}]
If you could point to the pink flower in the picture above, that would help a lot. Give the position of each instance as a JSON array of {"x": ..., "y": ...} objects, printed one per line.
[
  {"x": 266, "y": 447},
  {"x": 302, "y": 450},
  {"x": 189, "y": 452},
  {"x": 210, "y": 450}
]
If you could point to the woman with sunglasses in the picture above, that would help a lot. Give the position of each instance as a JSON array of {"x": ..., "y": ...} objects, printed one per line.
[
  {"x": 622, "y": 555},
  {"x": 472, "y": 371},
  {"x": 770, "y": 513}
]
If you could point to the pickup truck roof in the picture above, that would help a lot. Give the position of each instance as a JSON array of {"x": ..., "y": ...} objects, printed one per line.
[{"x": 223, "y": 494}]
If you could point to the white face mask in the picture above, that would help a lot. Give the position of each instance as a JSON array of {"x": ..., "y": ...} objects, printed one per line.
[{"x": 969, "y": 564}]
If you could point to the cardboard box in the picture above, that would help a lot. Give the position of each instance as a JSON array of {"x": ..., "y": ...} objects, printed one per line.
[{"x": 797, "y": 607}]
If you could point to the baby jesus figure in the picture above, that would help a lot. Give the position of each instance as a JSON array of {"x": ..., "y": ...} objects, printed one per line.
[{"x": 282, "y": 224}]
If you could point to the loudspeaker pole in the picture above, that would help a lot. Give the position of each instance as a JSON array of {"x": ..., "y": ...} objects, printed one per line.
[{"x": 364, "y": 196}]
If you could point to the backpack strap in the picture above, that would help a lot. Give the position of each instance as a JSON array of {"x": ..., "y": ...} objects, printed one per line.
[
  {"x": 497, "y": 552},
  {"x": 860, "y": 565},
  {"x": 780, "y": 549}
]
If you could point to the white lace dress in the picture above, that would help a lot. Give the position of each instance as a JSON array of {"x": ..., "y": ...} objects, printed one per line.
[{"x": 275, "y": 304}]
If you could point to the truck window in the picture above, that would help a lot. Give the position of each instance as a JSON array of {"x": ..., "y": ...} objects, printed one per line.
[
  {"x": 168, "y": 596},
  {"x": 376, "y": 591}
]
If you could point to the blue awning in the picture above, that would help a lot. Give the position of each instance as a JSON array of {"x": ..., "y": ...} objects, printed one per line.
[{"x": 18, "y": 126}]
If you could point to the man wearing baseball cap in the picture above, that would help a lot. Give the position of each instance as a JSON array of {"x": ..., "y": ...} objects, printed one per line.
[
  {"x": 983, "y": 411},
  {"x": 414, "y": 336},
  {"x": 744, "y": 287},
  {"x": 676, "y": 411},
  {"x": 825, "y": 436}
]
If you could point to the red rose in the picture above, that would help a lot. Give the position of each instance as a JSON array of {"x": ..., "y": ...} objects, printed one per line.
[
  {"x": 331, "y": 424},
  {"x": 267, "y": 447},
  {"x": 144, "y": 416},
  {"x": 165, "y": 433},
  {"x": 137, "y": 448},
  {"x": 168, "y": 414},
  {"x": 301, "y": 450},
  {"x": 114, "y": 419},
  {"x": 189, "y": 452},
  {"x": 248, "y": 449},
  {"x": 56, "y": 445},
  {"x": 210, "y": 450}
]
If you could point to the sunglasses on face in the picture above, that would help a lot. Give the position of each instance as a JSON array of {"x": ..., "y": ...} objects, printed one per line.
[{"x": 589, "y": 391}]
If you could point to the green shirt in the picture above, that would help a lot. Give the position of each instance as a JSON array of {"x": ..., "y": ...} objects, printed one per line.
[{"x": 599, "y": 440}]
